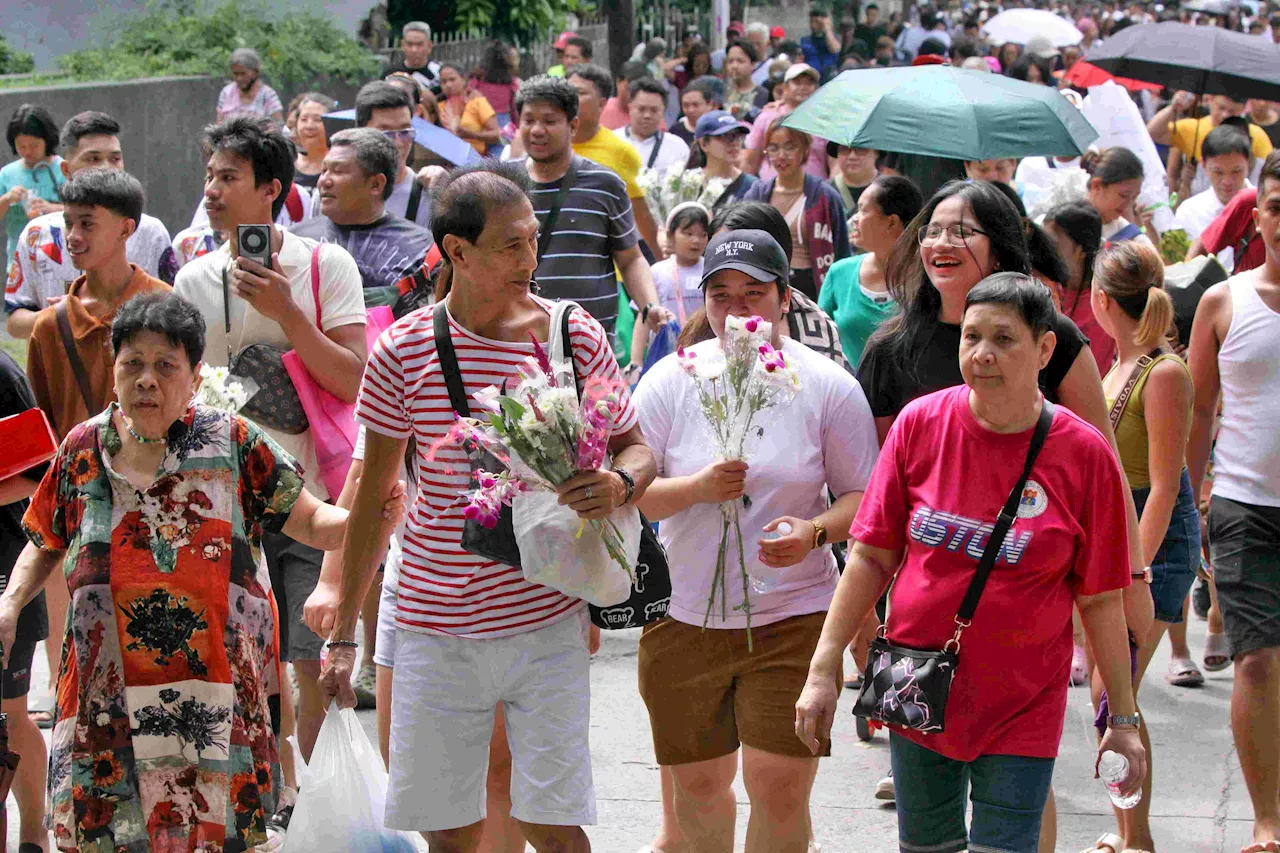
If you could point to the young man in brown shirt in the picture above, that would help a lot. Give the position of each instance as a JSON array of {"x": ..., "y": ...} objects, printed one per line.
[{"x": 69, "y": 359}]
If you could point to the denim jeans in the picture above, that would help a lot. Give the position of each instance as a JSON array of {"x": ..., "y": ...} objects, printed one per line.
[
  {"x": 1008, "y": 793},
  {"x": 1173, "y": 569}
]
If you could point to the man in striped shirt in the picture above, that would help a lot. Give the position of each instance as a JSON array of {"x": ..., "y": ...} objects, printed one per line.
[
  {"x": 594, "y": 229},
  {"x": 534, "y": 658}
]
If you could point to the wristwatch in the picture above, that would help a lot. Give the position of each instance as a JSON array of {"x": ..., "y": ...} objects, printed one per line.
[
  {"x": 628, "y": 482},
  {"x": 819, "y": 534},
  {"x": 1124, "y": 720},
  {"x": 1144, "y": 575}
]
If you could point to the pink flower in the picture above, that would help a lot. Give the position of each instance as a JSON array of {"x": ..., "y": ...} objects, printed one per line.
[{"x": 753, "y": 323}]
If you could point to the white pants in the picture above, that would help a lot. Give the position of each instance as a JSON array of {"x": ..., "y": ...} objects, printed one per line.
[{"x": 443, "y": 699}]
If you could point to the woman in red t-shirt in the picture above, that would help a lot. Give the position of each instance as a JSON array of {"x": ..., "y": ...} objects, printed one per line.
[{"x": 946, "y": 469}]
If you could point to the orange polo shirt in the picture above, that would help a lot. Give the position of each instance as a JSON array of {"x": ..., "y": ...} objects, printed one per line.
[{"x": 52, "y": 379}]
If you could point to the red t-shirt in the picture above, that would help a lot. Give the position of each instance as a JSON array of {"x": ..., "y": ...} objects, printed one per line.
[
  {"x": 1080, "y": 310},
  {"x": 938, "y": 486},
  {"x": 1229, "y": 228}
]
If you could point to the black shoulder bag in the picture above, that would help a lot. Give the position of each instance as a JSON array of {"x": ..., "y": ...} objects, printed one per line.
[
  {"x": 909, "y": 687},
  {"x": 651, "y": 591}
]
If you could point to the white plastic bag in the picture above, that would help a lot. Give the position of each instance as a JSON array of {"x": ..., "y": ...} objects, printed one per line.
[
  {"x": 552, "y": 552},
  {"x": 342, "y": 795}
]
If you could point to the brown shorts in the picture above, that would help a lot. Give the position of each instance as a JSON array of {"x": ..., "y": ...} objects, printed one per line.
[{"x": 706, "y": 695}]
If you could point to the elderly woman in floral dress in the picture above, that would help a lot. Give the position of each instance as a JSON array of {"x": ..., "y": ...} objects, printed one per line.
[{"x": 154, "y": 510}]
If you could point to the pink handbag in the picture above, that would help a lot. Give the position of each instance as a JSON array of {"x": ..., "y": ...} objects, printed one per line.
[{"x": 333, "y": 422}]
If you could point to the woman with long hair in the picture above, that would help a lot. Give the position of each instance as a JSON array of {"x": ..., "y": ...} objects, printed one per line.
[
  {"x": 465, "y": 112},
  {"x": 812, "y": 207},
  {"x": 311, "y": 138},
  {"x": 1150, "y": 394},
  {"x": 1076, "y": 226},
  {"x": 496, "y": 79}
]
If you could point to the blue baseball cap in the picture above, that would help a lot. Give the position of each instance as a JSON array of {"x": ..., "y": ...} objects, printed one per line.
[{"x": 718, "y": 123}]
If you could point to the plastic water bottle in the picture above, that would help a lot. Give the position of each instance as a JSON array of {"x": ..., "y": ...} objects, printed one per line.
[
  {"x": 1113, "y": 768},
  {"x": 759, "y": 585}
]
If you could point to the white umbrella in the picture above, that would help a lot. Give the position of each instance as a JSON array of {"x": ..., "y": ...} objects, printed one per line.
[{"x": 1019, "y": 25}]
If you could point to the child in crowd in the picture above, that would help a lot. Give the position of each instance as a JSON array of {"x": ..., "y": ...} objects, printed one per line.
[{"x": 678, "y": 279}]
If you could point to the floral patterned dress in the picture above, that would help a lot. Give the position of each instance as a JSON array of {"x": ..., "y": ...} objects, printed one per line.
[{"x": 163, "y": 740}]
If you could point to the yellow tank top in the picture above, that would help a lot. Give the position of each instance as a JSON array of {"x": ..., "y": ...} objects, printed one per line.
[{"x": 1131, "y": 433}]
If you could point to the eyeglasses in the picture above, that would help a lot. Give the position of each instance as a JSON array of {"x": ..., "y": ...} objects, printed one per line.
[
  {"x": 775, "y": 150},
  {"x": 958, "y": 234},
  {"x": 399, "y": 135}
]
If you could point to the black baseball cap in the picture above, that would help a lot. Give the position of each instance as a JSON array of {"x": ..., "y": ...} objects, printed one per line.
[{"x": 750, "y": 251}]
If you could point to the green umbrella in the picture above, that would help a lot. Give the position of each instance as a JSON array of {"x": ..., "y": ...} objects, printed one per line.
[{"x": 940, "y": 111}]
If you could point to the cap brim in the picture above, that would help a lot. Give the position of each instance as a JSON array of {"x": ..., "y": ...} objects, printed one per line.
[
  {"x": 721, "y": 131},
  {"x": 760, "y": 274}
]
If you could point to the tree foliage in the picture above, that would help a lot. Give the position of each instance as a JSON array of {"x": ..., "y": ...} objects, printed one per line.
[
  {"x": 12, "y": 60},
  {"x": 186, "y": 37}
]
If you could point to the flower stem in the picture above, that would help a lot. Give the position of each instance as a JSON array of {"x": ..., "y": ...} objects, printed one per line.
[{"x": 746, "y": 589}]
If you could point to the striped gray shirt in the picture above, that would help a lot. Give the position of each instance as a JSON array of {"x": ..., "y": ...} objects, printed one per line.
[{"x": 595, "y": 221}]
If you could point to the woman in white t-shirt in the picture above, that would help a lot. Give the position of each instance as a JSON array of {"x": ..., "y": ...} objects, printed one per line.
[
  {"x": 706, "y": 693},
  {"x": 678, "y": 277}
]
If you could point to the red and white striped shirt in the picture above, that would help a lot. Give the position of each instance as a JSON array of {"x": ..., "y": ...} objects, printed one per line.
[{"x": 443, "y": 589}]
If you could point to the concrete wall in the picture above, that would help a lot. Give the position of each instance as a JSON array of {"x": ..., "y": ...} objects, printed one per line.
[{"x": 160, "y": 121}]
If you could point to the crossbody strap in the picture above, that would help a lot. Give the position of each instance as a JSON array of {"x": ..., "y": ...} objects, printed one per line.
[
  {"x": 1007, "y": 515},
  {"x": 1122, "y": 400},
  {"x": 415, "y": 199},
  {"x": 566, "y": 184},
  {"x": 77, "y": 366},
  {"x": 657, "y": 147}
]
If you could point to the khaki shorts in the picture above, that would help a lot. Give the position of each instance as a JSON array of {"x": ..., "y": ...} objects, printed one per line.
[{"x": 707, "y": 695}]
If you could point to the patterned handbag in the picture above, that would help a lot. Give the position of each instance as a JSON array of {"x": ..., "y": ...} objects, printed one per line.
[
  {"x": 909, "y": 687},
  {"x": 276, "y": 404}
]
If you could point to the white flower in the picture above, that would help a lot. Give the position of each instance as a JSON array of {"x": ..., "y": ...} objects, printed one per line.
[{"x": 711, "y": 366}]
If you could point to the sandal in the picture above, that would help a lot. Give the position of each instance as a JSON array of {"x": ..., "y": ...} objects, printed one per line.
[
  {"x": 1183, "y": 672},
  {"x": 40, "y": 710},
  {"x": 1109, "y": 841},
  {"x": 1261, "y": 847},
  {"x": 1217, "y": 652}
]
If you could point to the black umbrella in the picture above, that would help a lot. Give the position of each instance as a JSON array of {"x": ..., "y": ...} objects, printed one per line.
[{"x": 1203, "y": 60}]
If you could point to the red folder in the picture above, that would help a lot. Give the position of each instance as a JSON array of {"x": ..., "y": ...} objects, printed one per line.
[{"x": 26, "y": 440}]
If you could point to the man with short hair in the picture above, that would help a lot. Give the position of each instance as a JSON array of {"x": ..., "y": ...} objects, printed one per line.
[
  {"x": 594, "y": 229},
  {"x": 577, "y": 51},
  {"x": 870, "y": 30},
  {"x": 389, "y": 109},
  {"x": 355, "y": 181},
  {"x": 1186, "y": 136},
  {"x": 932, "y": 25},
  {"x": 799, "y": 83},
  {"x": 1228, "y": 156},
  {"x": 1234, "y": 359},
  {"x": 732, "y": 33},
  {"x": 248, "y": 173},
  {"x": 42, "y": 269},
  {"x": 698, "y": 98},
  {"x": 102, "y": 208},
  {"x": 855, "y": 170},
  {"x": 472, "y": 633},
  {"x": 821, "y": 48},
  {"x": 657, "y": 149},
  {"x": 594, "y": 85},
  {"x": 616, "y": 113},
  {"x": 758, "y": 37},
  {"x": 415, "y": 56}
]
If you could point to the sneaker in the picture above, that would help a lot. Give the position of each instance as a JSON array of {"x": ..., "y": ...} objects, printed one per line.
[
  {"x": 1200, "y": 599},
  {"x": 365, "y": 685},
  {"x": 884, "y": 789}
]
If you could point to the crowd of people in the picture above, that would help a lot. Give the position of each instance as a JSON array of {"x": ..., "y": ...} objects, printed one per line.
[{"x": 961, "y": 328}]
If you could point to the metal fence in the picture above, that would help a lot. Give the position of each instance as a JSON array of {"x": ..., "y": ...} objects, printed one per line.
[{"x": 466, "y": 49}]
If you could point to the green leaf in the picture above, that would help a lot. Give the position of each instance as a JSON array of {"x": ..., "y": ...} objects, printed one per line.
[{"x": 513, "y": 410}]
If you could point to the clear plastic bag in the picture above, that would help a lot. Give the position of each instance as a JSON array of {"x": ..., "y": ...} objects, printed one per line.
[
  {"x": 559, "y": 551},
  {"x": 342, "y": 795}
]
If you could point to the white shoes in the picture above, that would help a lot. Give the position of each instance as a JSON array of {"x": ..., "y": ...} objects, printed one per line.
[{"x": 884, "y": 789}]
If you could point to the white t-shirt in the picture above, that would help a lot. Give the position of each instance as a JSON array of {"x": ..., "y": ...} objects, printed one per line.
[
  {"x": 673, "y": 150},
  {"x": 1196, "y": 213},
  {"x": 824, "y": 438},
  {"x": 341, "y": 298},
  {"x": 679, "y": 288},
  {"x": 42, "y": 265}
]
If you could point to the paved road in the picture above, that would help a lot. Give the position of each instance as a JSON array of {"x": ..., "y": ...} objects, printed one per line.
[{"x": 1201, "y": 802}]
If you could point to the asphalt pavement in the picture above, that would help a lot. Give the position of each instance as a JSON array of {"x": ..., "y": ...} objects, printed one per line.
[{"x": 1201, "y": 805}]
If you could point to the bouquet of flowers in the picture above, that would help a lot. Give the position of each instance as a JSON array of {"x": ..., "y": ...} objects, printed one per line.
[
  {"x": 735, "y": 382},
  {"x": 543, "y": 436},
  {"x": 219, "y": 390},
  {"x": 666, "y": 188}
]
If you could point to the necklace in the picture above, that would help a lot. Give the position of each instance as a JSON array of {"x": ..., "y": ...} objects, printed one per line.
[{"x": 141, "y": 439}]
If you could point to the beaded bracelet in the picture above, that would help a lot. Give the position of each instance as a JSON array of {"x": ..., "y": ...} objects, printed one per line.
[{"x": 351, "y": 644}]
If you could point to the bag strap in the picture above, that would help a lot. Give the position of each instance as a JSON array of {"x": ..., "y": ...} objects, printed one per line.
[
  {"x": 559, "y": 344},
  {"x": 566, "y": 184},
  {"x": 415, "y": 199},
  {"x": 1250, "y": 231},
  {"x": 1005, "y": 520},
  {"x": 449, "y": 362},
  {"x": 73, "y": 357},
  {"x": 1122, "y": 399},
  {"x": 657, "y": 146}
]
